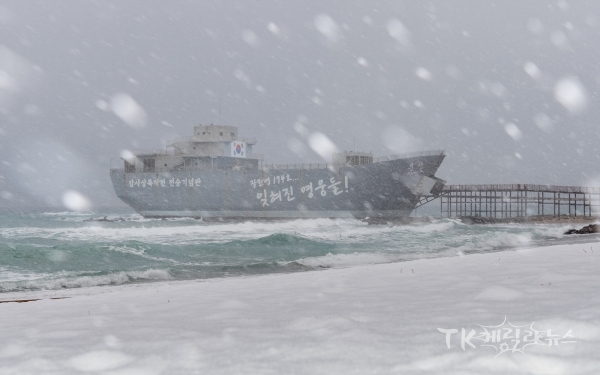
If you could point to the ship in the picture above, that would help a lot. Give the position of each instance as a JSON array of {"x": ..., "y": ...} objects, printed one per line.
[{"x": 214, "y": 174}]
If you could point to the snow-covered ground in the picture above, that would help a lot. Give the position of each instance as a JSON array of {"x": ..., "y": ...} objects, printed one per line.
[{"x": 362, "y": 320}]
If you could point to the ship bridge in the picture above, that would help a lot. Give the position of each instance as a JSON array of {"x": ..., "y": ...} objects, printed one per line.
[
  {"x": 209, "y": 147},
  {"x": 351, "y": 158}
]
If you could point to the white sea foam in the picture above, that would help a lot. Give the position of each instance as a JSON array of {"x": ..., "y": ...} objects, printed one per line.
[
  {"x": 85, "y": 281},
  {"x": 142, "y": 253},
  {"x": 438, "y": 226},
  {"x": 180, "y": 234},
  {"x": 351, "y": 232},
  {"x": 126, "y": 250},
  {"x": 337, "y": 231},
  {"x": 495, "y": 241},
  {"x": 363, "y": 258},
  {"x": 68, "y": 213},
  {"x": 347, "y": 260},
  {"x": 11, "y": 276}
]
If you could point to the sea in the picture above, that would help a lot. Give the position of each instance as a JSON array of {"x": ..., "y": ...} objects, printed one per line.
[{"x": 61, "y": 250}]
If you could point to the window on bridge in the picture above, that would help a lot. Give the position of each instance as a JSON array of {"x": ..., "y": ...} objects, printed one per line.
[
  {"x": 149, "y": 165},
  {"x": 358, "y": 160},
  {"x": 129, "y": 167}
]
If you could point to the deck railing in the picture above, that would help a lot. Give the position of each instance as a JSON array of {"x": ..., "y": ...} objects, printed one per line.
[
  {"x": 409, "y": 155},
  {"x": 208, "y": 168},
  {"x": 375, "y": 160},
  {"x": 196, "y": 138},
  {"x": 160, "y": 151},
  {"x": 296, "y": 166}
]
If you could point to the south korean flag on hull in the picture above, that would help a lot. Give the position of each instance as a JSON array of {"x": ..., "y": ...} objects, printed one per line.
[{"x": 238, "y": 149}]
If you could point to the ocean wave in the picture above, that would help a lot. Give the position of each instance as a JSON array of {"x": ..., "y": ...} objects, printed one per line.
[
  {"x": 351, "y": 233},
  {"x": 85, "y": 281},
  {"x": 276, "y": 240},
  {"x": 346, "y": 260},
  {"x": 166, "y": 232},
  {"x": 436, "y": 226},
  {"x": 8, "y": 275},
  {"x": 126, "y": 250},
  {"x": 48, "y": 253},
  {"x": 141, "y": 252},
  {"x": 496, "y": 241},
  {"x": 68, "y": 213}
]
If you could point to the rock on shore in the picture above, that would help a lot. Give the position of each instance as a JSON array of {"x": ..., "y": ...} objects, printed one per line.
[{"x": 592, "y": 228}]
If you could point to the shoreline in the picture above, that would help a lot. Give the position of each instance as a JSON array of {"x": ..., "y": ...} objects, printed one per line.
[{"x": 365, "y": 319}]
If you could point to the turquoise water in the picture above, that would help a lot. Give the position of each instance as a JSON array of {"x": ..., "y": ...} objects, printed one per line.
[{"x": 61, "y": 250}]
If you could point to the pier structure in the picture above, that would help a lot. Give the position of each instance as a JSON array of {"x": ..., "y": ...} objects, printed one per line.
[{"x": 518, "y": 200}]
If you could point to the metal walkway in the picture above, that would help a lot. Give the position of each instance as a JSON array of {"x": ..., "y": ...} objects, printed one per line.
[{"x": 519, "y": 200}]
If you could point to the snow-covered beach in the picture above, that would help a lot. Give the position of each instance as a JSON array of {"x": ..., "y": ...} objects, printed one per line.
[{"x": 365, "y": 319}]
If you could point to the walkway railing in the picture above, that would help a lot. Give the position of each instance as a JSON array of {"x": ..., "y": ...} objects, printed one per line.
[
  {"x": 519, "y": 200},
  {"x": 523, "y": 187}
]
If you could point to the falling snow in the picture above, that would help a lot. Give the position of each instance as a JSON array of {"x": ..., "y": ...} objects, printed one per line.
[
  {"x": 398, "y": 31},
  {"x": 571, "y": 94},
  {"x": 75, "y": 201},
  {"x": 327, "y": 26},
  {"x": 128, "y": 110},
  {"x": 513, "y": 131},
  {"x": 423, "y": 73}
]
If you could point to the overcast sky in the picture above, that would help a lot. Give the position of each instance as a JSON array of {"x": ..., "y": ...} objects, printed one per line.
[{"x": 507, "y": 88}]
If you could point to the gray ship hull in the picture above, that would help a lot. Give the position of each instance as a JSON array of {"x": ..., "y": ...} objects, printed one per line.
[{"x": 385, "y": 189}]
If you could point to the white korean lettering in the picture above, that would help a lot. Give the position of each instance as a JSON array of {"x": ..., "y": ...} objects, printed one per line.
[
  {"x": 275, "y": 196},
  {"x": 321, "y": 186},
  {"x": 308, "y": 188},
  {"x": 288, "y": 193},
  {"x": 333, "y": 186}
]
